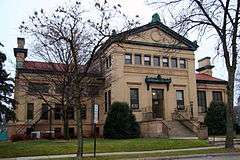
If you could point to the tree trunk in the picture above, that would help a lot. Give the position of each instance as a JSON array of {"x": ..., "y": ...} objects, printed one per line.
[
  {"x": 50, "y": 123},
  {"x": 79, "y": 134},
  {"x": 229, "y": 111},
  {"x": 65, "y": 124},
  {"x": 77, "y": 100}
]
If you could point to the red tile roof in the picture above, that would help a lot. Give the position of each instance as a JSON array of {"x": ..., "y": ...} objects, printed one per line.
[
  {"x": 206, "y": 77},
  {"x": 44, "y": 66}
]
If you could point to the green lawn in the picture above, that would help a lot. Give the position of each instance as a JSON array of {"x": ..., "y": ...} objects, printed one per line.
[{"x": 50, "y": 147}]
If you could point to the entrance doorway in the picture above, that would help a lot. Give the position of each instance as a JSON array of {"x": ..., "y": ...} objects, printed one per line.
[{"x": 157, "y": 103}]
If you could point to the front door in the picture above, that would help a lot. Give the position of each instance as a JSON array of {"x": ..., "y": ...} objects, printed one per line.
[{"x": 157, "y": 103}]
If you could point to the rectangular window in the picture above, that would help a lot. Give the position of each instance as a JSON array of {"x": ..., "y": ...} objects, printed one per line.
[
  {"x": 57, "y": 131},
  {"x": 30, "y": 109},
  {"x": 138, "y": 59},
  {"x": 110, "y": 60},
  {"x": 38, "y": 88},
  {"x": 156, "y": 61},
  {"x": 106, "y": 63},
  {"x": 109, "y": 99},
  {"x": 180, "y": 99},
  {"x": 174, "y": 62},
  {"x": 84, "y": 112},
  {"x": 147, "y": 60},
  {"x": 57, "y": 111},
  {"x": 59, "y": 89},
  {"x": 71, "y": 113},
  {"x": 106, "y": 102},
  {"x": 182, "y": 63},
  {"x": 128, "y": 58},
  {"x": 217, "y": 96},
  {"x": 134, "y": 98},
  {"x": 165, "y": 62},
  {"x": 44, "y": 115},
  {"x": 202, "y": 102},
  {"x": 71, "y": 132}
]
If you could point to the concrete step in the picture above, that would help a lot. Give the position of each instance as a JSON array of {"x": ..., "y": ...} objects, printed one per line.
[{"x": 176, "y": 129}]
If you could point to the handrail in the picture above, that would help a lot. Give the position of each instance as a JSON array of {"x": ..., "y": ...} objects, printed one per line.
[
  {"x": 27, "y": 121},
  {"x": 166, "y": 127},
  {"x": 179, "y": 114},
  {"x": 37, "y": 117}
]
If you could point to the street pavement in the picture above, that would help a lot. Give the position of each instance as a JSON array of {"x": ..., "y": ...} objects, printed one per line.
[{"x": 215, "y": 157}]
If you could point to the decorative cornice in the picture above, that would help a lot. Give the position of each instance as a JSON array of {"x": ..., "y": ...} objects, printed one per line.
[
  {"x": 20, "y": 50},
  {"x": 157, "y": 80},
  {"x": 204, "y": 59},
  {"x": 204, "y": 68},
  {"x": 39, "y": 71},
  {"x": 123, "y": 35},
  {"x": 170, "y": 46},
  {"x": 211, "y": 82}
]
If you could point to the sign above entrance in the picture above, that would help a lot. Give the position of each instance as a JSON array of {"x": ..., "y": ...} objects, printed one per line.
[{"x": 157, "y": 80}]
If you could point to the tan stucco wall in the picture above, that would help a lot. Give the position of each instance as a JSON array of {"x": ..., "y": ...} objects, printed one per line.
[
  {"x": 23, "y": 98},
  {"x": 209, "y": 88},
  {"x": 126, "y": 76}
]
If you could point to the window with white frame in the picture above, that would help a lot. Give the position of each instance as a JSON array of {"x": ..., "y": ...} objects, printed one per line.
[
  {"x": 128, "y": 58},
  {"x": 165, "y": 62},
  {"x": 182, "y": 63},
  {"x": 138, "y": 59},
  {"x": 147, "y": 60},
  {"x": 156, "y": 61},
  {"x": 180, "y": 99}
]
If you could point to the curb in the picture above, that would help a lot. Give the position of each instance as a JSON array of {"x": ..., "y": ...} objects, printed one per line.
[{"x": 191, "y": 156}]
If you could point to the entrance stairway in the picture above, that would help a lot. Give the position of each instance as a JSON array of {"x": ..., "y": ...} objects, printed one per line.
[{"x": 176, "y": 129}]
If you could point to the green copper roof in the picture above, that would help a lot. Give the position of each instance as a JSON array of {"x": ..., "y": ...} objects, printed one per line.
[
  {"x": 155, "y": 18},
  {"x": 158, "y": 80}
]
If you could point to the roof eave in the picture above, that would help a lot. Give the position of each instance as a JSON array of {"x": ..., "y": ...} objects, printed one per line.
[{"x": 211, "y": 82}]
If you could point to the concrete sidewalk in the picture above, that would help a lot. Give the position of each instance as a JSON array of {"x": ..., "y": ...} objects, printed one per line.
[
  {"x": 210, "y": 156},
  {"x": 111, "y": 154}
]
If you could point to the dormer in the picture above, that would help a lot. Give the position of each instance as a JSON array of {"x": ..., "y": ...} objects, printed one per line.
[{"x": 20, "y": 52}]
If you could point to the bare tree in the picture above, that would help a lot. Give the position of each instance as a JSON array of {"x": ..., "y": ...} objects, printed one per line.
[
  {"x": 71, "y": 39},
  {"x": 219, "y": 18}
]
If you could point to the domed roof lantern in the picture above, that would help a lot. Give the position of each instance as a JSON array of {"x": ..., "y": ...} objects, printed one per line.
[{"x": 155, "y": 18}]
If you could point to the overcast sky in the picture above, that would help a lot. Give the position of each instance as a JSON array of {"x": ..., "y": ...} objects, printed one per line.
[{"x": 13, "y": 12}]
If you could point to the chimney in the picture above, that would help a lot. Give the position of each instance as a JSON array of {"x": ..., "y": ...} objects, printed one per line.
[
  {"x": 20, "y": 52},
  {"x": 205, "y": 66}
]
